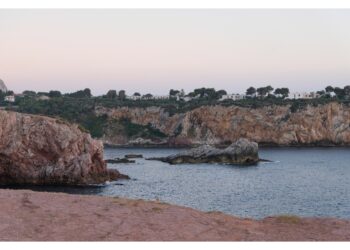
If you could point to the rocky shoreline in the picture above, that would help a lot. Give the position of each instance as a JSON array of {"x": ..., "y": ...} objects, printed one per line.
[{"x": 40, "y": 216}]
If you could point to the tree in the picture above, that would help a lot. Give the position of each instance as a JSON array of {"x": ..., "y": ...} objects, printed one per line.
[
  {"x": 250, "y": 91},
  {"x": 329, "y": 89},
  {"x": 43, "y": 93},
  {"x": 55, "y": 93},
  {"x": 261, "y": 91},
  {"x": 269, "y": 89},
  {"x": 347, "y": 91},
  {"x": 284, "y": 92},
  {"x": 122, "y": 95},
  {"x": 111, "y": 94},
  {"x": 147, "y": 96},
  {"x": 86, "y": 93},
  {"x": 29, "y": 93},
  {"x": 321, "y": 92},
  {"x": 220, "y": 93},
  {"x": 339, "y": 92},
  {"x": 210, "y": 93},
  {"x": 136, "y": 94},
  {"x": 182, "y": 92},
  {"x": 173, "y": 92}
]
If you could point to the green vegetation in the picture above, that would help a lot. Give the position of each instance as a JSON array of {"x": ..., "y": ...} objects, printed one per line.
[
  {"x": 79, "y": 107},
  {"x": 136, "y": 130},
  {"x": 283, "y": 92}
]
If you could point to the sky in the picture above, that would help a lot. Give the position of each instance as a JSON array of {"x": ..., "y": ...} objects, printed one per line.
[{"x": 152, "y": 51}]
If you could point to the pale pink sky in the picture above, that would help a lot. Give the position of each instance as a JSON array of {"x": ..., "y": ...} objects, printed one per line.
[{"x": 155, "y": 50}]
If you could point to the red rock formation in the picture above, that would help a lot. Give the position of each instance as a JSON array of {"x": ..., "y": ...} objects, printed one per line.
[
  {"x": 41, "y": 150},
  {"x": 322, "y": 125}
]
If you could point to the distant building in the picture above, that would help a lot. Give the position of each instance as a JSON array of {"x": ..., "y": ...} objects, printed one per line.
[
  {"x": 233, "y": 97},
  {"x": 133, "y": 97},
  {"x": 160, "y": 97},
  {"x": 300, "y": 95},
  {"x": 3, "y": 87},
  {"x": 43, "y": 98},
  {"x": 183, "y": 98},
  {"x": 10, "y": 98},
  {"x": 147, "y": 97},
  {"x": 315, "y": 95},
  {"x": 331, "y": 94}
]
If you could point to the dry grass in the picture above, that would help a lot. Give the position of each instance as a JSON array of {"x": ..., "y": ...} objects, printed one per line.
[
  {"x": 157, "y": 209},
  {"x": 290, "y": 219}
]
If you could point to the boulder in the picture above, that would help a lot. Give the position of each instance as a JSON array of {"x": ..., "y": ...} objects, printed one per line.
[
  {"x": 241, "y": 152},
  {"x": 46, "y": 151}
]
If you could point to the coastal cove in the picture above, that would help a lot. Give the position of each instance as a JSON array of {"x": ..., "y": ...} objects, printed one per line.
[{"x": 307, "y": 182}]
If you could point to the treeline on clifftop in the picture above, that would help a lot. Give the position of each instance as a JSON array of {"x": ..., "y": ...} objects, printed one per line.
[{"x": 79, "y": 107}]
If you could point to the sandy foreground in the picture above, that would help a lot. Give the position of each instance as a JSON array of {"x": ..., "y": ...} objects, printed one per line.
[{"x": 40, "y": 216}]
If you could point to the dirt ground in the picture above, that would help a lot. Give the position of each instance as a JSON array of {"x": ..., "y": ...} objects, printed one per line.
[{"x": 39, "y": 216}]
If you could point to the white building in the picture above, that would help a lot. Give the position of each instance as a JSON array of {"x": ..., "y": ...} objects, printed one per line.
[
  {"x": 331, "y": 94},
  {"x": 10, "y": 98},
  {"x": 43, "y": 98},
  {"x": 160, "y": 97},
  {"x": 233, "y": 97},
  {"x": 300, "y": 95},
  {"x": 133, "y": 97},
  {"x": 155, "y": 97},
  {"x": 183, "y": 98}
]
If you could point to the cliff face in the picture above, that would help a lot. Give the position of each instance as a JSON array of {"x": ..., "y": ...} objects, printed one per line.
[
  {"x": 322, "y": 125},
  {"x": 41, "y": 150}
]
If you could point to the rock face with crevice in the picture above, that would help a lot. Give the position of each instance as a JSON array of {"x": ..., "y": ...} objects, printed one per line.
[
  {"x": 243, "y": 152},
  {"x": 41, "y": 150}
]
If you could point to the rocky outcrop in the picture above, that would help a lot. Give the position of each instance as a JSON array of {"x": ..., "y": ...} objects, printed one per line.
[
  {"x": 326, "y": 124},
  {"x": 41, "y": 150},
  {"x": 240, "y": 152}
]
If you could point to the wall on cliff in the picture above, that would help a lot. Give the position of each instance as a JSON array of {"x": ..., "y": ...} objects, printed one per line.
[{"x": 275, "y": 125}]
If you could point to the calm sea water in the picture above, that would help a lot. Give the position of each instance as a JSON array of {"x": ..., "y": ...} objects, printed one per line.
[{"x": 300, "y": 181}]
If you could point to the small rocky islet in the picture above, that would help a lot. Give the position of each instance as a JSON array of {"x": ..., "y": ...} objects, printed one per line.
[
  {"x": 241, "y": 152},
  {"x": 126, "y": 159}
]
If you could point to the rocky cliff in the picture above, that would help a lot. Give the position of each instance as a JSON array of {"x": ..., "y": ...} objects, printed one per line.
[
  {"x": 41, "y": 150},
  {"x": 327, "y": 124}
]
